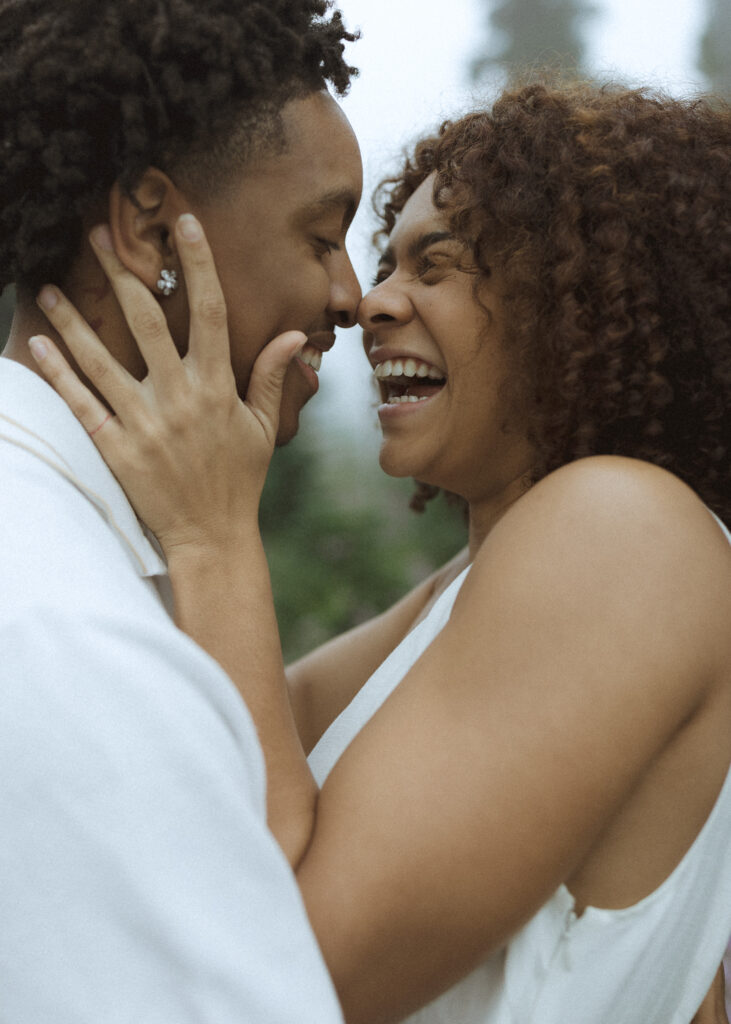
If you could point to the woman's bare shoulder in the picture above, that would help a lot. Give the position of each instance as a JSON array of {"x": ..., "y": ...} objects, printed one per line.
[
  {"x": 615, "y": 491},
  {"x": 606, "y": 505},
  {"x": 617, "y": 538}
]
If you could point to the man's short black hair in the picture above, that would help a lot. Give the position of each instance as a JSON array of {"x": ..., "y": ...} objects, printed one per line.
[{"x": 96, "y": 91}]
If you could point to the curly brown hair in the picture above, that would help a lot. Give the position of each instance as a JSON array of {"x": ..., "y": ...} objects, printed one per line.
[
  {"x": 94, "y": 92},
  {"x": 607, "y": 212}
]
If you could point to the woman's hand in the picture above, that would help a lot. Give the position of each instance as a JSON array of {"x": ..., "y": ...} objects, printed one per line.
[{"x": 190, "y": 454}]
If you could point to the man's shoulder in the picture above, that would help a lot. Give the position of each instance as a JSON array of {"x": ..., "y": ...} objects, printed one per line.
[
  {"x": 48, "y": 462},
  {"x": 55, "y": 539},
  {"x": 84, "y": 632}
]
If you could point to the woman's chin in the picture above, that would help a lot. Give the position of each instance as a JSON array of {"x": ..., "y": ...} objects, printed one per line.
[{"x": 400, "y": 465}]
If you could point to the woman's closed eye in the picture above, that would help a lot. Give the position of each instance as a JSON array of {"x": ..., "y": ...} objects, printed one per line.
[
  {"x": 431, "y": 267},
  {"x": 382, "y": 274}
]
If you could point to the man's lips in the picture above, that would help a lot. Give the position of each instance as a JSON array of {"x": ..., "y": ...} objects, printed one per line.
[
  {"x": 317, "y": 343},
  {"x": 311, "y": 356},
  {"x": 321, "y": 340}
]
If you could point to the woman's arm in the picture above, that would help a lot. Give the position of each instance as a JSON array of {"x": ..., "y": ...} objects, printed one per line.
[
  {"x": 586, "y": 648},
  {"x": 583, "y": 644}
]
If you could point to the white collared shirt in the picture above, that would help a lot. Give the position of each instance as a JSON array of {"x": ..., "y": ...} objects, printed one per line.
[{"x": 138, "y": 880}]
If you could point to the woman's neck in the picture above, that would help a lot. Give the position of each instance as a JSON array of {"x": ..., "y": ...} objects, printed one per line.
[{"x": 485, "y": 513}]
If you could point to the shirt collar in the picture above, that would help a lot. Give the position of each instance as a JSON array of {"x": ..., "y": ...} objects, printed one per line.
[{"x": 35, "y": 418}]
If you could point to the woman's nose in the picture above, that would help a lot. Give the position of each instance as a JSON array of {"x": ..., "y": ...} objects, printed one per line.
[{"x": 384, "y": 303}]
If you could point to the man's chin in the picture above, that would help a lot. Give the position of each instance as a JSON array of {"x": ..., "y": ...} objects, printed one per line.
[
  {"x": 289, "y": 422},
  {"x": 296, "y": 393}
]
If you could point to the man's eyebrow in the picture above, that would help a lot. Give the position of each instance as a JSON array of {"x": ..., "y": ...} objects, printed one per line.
[
  {"x": 417, "y": 247},
  {"x": 337, "y": 199}
]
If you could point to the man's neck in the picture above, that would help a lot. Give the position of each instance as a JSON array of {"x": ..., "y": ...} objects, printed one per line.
[
  {"x": 99, "y": 309},
  {"x": 28, "y": 321}
]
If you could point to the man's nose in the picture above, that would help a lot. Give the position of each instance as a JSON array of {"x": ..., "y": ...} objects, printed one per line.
[{"x": 345, "y": 294}]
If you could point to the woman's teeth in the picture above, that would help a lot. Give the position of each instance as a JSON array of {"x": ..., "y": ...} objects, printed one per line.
[
  {"x": 311, "y": 357},
  {"x": 400, "y": 399},
  {"x": 408, "y": 380},
  {"x": 407, "y": 368}
]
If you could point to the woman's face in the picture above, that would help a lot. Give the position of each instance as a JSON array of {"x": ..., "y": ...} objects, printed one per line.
[
  {"x": 435, "y": 343},
  {"x": 279, "y": 245}
]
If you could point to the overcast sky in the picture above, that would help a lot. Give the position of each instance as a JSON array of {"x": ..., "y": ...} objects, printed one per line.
[{"x": 413, "y": 59}]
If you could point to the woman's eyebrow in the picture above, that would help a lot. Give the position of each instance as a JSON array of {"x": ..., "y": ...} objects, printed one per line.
[{"x": 417, "y": 246}]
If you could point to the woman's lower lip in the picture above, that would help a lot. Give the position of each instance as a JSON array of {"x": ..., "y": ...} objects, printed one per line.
[{"x": 388, "y": 411}]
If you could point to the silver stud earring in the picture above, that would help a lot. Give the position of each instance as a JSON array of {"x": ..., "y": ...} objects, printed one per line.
[{"x": 168, "y": 282}]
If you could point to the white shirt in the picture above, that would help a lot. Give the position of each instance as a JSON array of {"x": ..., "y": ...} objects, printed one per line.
[{"x": 138, "y": 880}]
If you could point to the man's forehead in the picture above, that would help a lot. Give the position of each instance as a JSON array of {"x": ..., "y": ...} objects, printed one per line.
[
  {"x": 340, "y": 199},
  {"x": 318, "y": 173}
]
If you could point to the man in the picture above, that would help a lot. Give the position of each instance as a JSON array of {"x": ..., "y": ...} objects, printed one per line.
[{"x": 140, "y": 882}]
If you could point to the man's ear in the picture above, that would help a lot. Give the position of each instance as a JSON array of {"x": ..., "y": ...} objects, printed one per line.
[{"x": 142, "y": 225}]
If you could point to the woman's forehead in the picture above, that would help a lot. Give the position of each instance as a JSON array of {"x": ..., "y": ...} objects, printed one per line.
[{"x": 418, "y": 216}]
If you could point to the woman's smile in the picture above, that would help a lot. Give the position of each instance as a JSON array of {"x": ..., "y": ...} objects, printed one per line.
[{"x": 407, "y": 382}]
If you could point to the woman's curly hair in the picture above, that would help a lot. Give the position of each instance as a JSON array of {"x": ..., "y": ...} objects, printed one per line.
[
  {"x": 93, "y": 92},
  {"x": 607, "y": 212}
]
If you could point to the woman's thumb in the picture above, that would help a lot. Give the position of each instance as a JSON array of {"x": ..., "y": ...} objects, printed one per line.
[{"x": 264, "y": 394}]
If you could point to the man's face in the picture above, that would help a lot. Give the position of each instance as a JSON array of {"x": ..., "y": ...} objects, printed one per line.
[{"x": 279, "y": 246}]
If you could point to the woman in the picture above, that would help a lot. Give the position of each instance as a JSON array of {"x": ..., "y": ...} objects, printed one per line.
[{"x": 525, "y": 813}]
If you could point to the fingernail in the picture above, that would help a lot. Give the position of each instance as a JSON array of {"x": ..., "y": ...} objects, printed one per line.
[
  {"x": 48, "y": 297},
  {"x": 38, "y": 348},
  {"x": 101, "y": 236},
  {"x": 190, "y": 229}
]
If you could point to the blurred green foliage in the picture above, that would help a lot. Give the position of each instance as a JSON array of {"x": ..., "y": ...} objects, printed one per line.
[{"x": 342, "y": 542}]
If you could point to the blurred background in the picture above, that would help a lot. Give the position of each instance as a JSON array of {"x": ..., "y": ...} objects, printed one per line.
[{"x": 342, "y": 541}]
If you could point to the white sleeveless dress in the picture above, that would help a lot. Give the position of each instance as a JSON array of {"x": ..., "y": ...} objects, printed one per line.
[{"x": 592, "y": 969}]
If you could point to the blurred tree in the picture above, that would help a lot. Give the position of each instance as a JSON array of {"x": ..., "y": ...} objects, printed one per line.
[
  {"x": 523, "y": 34},
  {"x": 7, "y": 305},
  {"x": 335, "y": 561},
  {"x": 715, "y": 47}
]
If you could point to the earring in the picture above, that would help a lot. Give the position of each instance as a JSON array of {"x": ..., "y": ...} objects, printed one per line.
[{"x": 168, "y": 282}]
